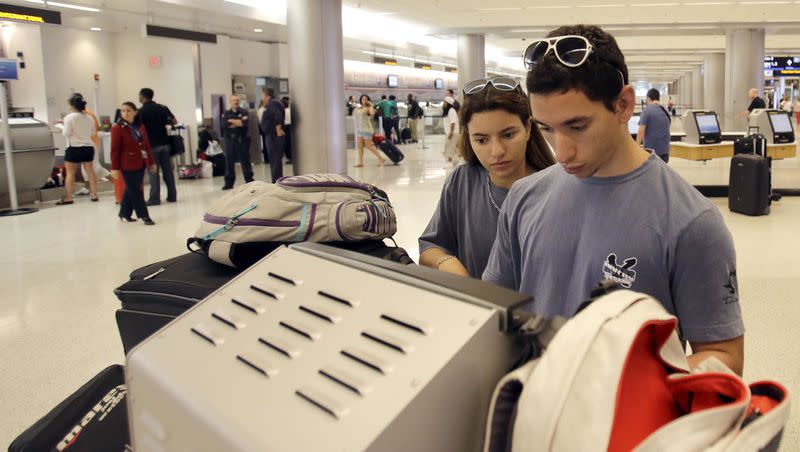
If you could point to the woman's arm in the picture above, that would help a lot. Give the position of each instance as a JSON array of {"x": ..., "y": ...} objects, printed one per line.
[{"x": 441, "y": 260}]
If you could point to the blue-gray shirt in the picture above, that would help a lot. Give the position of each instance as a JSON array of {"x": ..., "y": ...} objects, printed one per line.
[
  {"x": 465, "y": 221},
  {"x": 656, "y": 134},
  {"x": 558, "y": 236}
]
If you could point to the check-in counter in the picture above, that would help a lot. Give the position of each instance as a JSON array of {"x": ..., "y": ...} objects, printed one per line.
[{"x": 33, "y": 152}]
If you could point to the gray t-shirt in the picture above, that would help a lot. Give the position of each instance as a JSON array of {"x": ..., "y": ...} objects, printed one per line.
[
  {"x": 558, "y": 236},
  {"x": 465, "y": 221},
  {"x": 656, "y": 135}
]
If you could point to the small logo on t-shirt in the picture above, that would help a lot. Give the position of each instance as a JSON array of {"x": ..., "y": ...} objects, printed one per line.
[
  {"x": 732, "y": 287},
  {"x": 623, "y": 274}
]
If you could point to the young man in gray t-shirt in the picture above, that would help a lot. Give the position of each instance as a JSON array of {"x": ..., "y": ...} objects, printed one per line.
[{"x": 610, "y": 209}]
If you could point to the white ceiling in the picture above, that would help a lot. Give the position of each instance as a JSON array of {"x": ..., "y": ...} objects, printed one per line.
[{"x": 662, "y": 39}]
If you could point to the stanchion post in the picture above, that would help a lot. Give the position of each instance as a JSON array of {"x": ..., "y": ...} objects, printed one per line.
[{"x": 12, "y": 182}]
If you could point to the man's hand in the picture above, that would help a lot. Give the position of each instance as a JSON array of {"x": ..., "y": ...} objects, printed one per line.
[
  {"x": 279, "y": 131},
  {"x": 235, "y": 122}
]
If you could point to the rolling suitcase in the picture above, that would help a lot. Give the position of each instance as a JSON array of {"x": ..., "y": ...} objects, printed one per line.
[
  {"x": 750, "y": 183},
  {"x": 392, "y": 151}
]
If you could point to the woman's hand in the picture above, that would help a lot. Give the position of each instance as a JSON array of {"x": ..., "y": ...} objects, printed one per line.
[{"x": 115, "y": 173}]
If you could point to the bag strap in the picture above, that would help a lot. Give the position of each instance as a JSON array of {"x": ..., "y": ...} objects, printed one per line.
[
  {"x": 232, "y": 222},
  {"x": 669, "y": 118}
]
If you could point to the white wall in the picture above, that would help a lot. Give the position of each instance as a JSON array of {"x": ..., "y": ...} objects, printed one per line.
[
  {"x": 254, "y": 58},
  {"x": 215, "y": 70},
  {"x": 28, "y": 91},
  {"x": 172, "y": 81},
  {"x": 283, "y": 61},
  {"x": 71, "y": 58}
]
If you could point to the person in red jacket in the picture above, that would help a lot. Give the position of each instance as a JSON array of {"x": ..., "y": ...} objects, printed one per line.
[{"x": 130, "y": 155}]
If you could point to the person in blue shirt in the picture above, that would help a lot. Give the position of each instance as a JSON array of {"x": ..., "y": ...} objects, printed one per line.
[
  {"x": 610, "y": 209},
  {"x": 654, "y": 125}
]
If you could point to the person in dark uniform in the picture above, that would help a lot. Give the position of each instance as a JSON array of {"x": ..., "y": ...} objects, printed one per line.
[
  {"x": 272, "y": 127},
  {"x": 237, "y": 143}
]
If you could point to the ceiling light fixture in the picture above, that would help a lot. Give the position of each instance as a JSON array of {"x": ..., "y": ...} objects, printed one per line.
[
  {"x": 96, "y": 29},
  {"x": 258, "y": 30},
  {"x": 616, "y": 5},
  {"x": 41, "y": 2},
  {"x": 548, "y": 7},
  {"x": 71, "y": 6},
  {"x": 708, "y": 4}
]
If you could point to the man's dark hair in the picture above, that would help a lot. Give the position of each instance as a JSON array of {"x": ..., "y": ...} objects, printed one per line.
[
  {"x": 451, "y": 93},
  {"x": 410, "y": 97},
  {"x": 598, "y": 78},
  {"x": 653, "y": 94},
  {"x": 268, "y": 91},
  {"x": 392, "y": 97},
  {"x": 146, "y": 93},
  {"x": 383, "y": 97}
]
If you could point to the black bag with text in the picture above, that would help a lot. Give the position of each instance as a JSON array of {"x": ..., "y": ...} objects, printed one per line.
[{"x": 94, "y": 418}]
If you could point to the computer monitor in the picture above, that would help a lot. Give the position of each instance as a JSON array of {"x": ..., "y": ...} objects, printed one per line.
[
  {"x": 392, "y": 81},
  {"x": 775, "y": 125},
  {"x": 438, "y": 83},
  {"x": 701, "y": 127},
  {"x": 781, "y": 126},
  {"x": 707, "y": 123},
  {"x": 633, "y": 124}
]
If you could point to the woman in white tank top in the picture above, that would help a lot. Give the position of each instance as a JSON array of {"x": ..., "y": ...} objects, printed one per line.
[{"x": 79, "y": 128}]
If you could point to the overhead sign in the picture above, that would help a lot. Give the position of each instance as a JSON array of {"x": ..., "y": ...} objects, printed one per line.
[
  {"x": 425, "y": 66},
  {"x": 8, "y": 69},
  {"x": 781, "y": 66},
  {"x": 25, "y": 14}
]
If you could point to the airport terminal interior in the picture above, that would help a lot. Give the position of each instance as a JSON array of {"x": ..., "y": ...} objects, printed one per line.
[{"x": 64, "y": 254}]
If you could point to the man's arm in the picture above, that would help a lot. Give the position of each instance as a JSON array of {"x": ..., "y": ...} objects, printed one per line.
[
  {"x": 730, "y": 352},
  {"x": 705, "y": 291},
  {"x": 640, "y": 135}
]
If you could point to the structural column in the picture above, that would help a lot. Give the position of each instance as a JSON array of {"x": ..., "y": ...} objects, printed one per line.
[
  {"x": 688, "y": 96},
  {"x": 316, "y": 83},
  {"x": 697, "y": 89},
  {"x": 744, "y": 69},
  {"x": 471, "y": 59},
  {"x": 714, "y": 83}
]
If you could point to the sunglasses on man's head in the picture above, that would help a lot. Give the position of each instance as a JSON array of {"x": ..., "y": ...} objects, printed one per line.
[
  {"x": 499, "y": 83},
  {"x": 570, "y": 50}
]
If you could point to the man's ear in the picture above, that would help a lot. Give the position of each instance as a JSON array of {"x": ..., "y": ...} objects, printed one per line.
[{"x": 625, "y": 104}]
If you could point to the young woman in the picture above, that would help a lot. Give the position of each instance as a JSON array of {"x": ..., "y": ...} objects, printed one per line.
[
  {"x": 363, "y": 114},
  {"x": 79, "y": 128},
  {"x": 130, "y": 155},
  {"x": 500, "y": 145}
]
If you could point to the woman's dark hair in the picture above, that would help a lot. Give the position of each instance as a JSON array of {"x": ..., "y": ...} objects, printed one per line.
[
  {"x": 446, "y": 109},
  {"x": 135, "y": 111},
  {"x": 363, "y": 96},
  {"x": 77, "y": 102},
  {"x": 537, "y": 152},
  {"x": 600, "y": 78}
]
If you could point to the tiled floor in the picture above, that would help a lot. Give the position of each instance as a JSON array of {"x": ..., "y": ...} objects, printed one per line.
[{"x": 59, "y": 267}]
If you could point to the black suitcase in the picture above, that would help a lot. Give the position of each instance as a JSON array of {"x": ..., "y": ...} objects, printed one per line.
[
  {"x": 749, "y": 187},
  {"x": 158, "y": 293},
  {"x": 405, "y": 134},
  {"x": 217, "y": 165},
  {"x": 392, "y": 151},
  {"x": 94, "y": 418}
]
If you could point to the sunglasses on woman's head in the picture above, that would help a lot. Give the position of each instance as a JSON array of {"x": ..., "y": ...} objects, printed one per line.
[
  {"x": 570, "y": 50},
  {"x": 499, "y": 83}
]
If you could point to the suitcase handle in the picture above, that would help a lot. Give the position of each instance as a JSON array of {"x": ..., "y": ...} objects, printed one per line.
[{"x": 750, "y": 129}]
